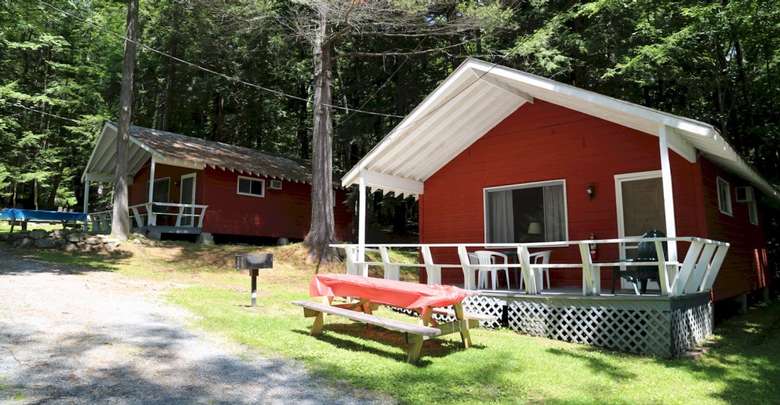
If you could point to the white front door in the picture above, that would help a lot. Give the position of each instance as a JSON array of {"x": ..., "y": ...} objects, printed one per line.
[
  {"x": 640, "y": 208},
  {"x": 187, "y": 196}
]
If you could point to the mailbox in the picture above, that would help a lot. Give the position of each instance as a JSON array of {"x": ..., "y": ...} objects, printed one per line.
[{"x": 253, "y": 263}]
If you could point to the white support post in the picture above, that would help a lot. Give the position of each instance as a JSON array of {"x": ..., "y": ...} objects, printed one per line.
[
  {"x": 362, "y": 222},
  {"x": 432, "y": 270},
  {"x": 712, "y": 274},
  {"x": 681, "y": 278},
  {"x": 469, "y": 279},
  {"x": 697, "y": 276},
  {"x": 528, "y": 273},
  {"x": 86, "y": 200},
  {"x": 588, "y": 282},
  {"x": 392, "y": 270},
  {"x": 151, "y": 219},
  {"x": 663, "y": 276},
  {"x": 666, "y": 178}
]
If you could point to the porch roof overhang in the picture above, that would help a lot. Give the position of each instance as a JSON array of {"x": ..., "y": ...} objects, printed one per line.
[
  {"x": 102, "y": 162},
  {"x": 479, "y": 95}
]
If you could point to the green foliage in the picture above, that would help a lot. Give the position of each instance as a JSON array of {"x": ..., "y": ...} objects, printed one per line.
[{"x": 718, "y": 62}]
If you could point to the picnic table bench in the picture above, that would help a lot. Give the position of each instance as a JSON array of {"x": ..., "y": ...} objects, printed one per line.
[{"x": 366, "y": 294}]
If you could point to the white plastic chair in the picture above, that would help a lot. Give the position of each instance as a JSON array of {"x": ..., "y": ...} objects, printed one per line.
[
  {"x": 487, "y": 257},
  {"x": 540, "y": 274}
]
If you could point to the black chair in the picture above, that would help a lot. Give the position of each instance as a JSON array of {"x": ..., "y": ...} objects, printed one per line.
[{"x": 641, "y": 275}]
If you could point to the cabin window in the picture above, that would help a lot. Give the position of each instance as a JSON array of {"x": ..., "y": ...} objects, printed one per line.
[
  {"x": 724, "y": 197},
  {"x": 746, "y": 195},
  {"x": 162, "y": 190},
  {"x": 533, "y": 212},
  {"x": 251, "y": 187}
]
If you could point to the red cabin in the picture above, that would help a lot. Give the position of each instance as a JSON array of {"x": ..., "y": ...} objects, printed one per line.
[
  {"x": 502, "y": 157},
  {"x": 204, "y": 187}
]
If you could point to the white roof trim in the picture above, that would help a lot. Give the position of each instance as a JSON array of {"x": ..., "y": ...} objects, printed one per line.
[{"x": 479, "y": 95}]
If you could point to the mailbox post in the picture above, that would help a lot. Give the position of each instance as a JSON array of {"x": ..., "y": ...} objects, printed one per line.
[{"x": 253, "y": 263}]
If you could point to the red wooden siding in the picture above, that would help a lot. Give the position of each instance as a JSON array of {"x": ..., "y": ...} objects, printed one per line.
[
  {"x": 745, "y": 268},
  {"x": 281, "y": 213},
  {"x": 139, "y": 193},
  {"x": 543, "y": 141}
]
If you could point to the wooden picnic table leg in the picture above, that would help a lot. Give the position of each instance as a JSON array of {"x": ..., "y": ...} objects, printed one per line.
[
  {"x": 414, "y": 350},
  {"x": 316, "y": 327},
  {"x": 426, "y": 316},
  {"x": 465, "y": 335}
]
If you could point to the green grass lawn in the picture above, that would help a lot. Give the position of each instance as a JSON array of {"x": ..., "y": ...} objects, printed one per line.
[{"x": 741, "y": 365}]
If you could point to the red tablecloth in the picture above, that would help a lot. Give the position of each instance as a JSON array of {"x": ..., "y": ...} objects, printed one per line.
[{"x": 388, "y": 292}]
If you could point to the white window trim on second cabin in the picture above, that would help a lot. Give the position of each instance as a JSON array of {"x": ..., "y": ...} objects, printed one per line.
[
  {"x": 156, "y": 187},
  {"x": 238, "y": 182},
  {"x": 729, "y": 208}
]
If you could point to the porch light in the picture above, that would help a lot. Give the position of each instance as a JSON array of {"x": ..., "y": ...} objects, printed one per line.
[{"x": 591, "y": 190}]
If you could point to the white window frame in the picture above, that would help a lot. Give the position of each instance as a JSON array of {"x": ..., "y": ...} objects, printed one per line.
[
  {"x": 753, "y": 207},
  {"x": 156, "y": 180},
  {"x": 238, "y": 181},
  {"x": 720, "y": 181},
  {"x": 520, "y": 186}
]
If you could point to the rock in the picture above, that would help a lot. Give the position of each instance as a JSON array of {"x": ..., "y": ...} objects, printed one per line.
[
  {"x": 75, "y": 237},
  {"x": 38, "y": 234},
  {"x": 206, "y": 239},
  {"x": 5, "y": 237},
  {"x": 70, "y": 248},
  {"x": 282, "y": 241},
  {"x": 57, "y": 234},
  {"x": 45, "y": 243},
  {"x": 24, "y": 242},
  {"x": 93, "y": 240}
]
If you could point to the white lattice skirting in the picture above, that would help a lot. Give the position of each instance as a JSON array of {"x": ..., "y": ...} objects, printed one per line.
[{"x": 659, "y": 326}]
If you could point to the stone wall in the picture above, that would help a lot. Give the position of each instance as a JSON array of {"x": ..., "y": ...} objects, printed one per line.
[{"x": 66, "y": 240}]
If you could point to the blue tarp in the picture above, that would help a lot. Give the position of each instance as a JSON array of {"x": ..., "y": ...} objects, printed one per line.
[{"x": 15, "y": 214}]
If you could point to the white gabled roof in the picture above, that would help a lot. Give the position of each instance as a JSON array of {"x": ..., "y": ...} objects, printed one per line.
[{"x": 479, "y": 95}]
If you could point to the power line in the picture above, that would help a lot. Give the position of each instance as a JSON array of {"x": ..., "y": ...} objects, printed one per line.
[
  {"x": 214, "y": 72},
  {"x": 44, "y": 113}
]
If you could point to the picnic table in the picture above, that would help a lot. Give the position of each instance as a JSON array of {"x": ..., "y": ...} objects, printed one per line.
[{"x": 364, "y": 294}]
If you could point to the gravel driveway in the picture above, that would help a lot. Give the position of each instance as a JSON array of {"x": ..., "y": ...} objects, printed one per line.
[{"x": 96, "y": 337}]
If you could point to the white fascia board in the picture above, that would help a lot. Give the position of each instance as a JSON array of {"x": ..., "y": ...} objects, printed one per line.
[
  {"x": 503, "y": 86},
  {"x": 165, "y": 160},
  {"x": 447, "y": 85},
  {"x": 394, "y": 183},
  {"x": 106, "y": 126}
]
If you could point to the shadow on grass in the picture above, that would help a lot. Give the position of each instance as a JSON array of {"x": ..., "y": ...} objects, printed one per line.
[
  {"x": 596, "y": 364},
  {"x": 431, "y": 347},
  {"x": 25, "y": 261},
  {"x": 743, "y": 357}
]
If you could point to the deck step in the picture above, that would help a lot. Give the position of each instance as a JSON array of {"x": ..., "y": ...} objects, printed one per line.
[{"x": 390, "y": 324}]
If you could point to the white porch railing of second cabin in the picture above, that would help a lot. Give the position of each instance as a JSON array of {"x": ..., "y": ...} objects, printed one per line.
[
  {"x": 146, "y": 214},
  {"x": 696, "y": 273},
  {"x": 187, "y": 215}
]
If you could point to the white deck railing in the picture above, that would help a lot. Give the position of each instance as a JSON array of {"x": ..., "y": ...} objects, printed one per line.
[
  {"x": 696, "y": 273},
  {"x": 146, "y": 214}
]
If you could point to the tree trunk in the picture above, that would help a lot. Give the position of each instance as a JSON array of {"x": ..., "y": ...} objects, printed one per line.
[
  {"x": 55, "y": 185},
  {"x": 120, "y": 223},
  {"x": 35, "y": 193},
  {"x": 322, "y": 230}
]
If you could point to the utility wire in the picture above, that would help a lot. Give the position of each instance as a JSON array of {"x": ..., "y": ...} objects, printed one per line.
[
  {"x": 214, "y": 72},
  {"x": 44, "y": 113}
]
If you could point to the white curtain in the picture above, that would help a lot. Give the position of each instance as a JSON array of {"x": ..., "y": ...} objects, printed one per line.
[
  {"x": 501, "y": 217},
  {"x": 554, "y": 217}
]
